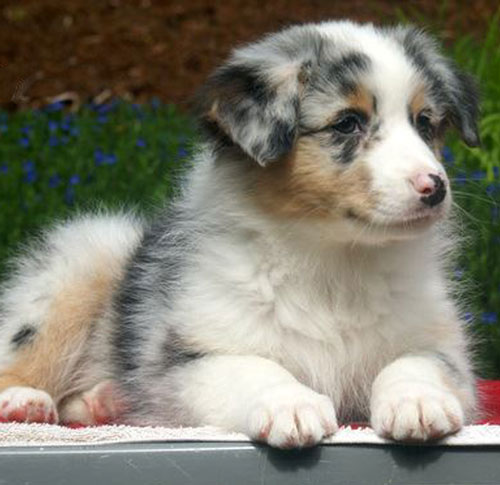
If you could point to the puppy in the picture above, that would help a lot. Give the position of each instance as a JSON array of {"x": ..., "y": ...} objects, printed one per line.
[{"x": 299, "y": 279}]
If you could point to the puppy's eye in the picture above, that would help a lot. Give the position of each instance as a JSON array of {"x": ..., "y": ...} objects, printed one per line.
[
  {"x": 348, "y": 124},
  {"x": 424, "y": 125}
]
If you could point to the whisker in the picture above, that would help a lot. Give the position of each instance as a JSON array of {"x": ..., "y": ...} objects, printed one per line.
[
  {"x": 465, "y": 195},
  {"x": 469, "y": 215}
]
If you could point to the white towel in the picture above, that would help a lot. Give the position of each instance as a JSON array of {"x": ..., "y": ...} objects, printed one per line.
[{"x": 20, "y": 434}]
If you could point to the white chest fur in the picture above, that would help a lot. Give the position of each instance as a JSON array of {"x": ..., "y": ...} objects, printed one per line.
[{"x": 333, "y": 317}]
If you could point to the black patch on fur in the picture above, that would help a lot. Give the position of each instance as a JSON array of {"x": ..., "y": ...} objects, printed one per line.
[
  {"x": 344, "y": 72},
  {"x": 279, "y": 141},
  {"x": 150, "y": 277},
  {"x": 244, "y": 81},
  {"x": 438, "y": 196},
  {"x": 341, "y": 74},
  {"x": 23, "y": 336},
  {"x": 126, "y": 337},
  {"x": 349, "y": 148},
  {"x": 176, "y": 352}
]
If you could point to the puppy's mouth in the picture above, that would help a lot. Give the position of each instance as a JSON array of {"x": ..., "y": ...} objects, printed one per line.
[
  {"x": 416, "y": 220},
  {"x": 413, "y": 222}
]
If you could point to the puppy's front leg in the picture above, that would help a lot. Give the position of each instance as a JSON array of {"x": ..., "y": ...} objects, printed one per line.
[
  {"x": 421, "y": 397},
  {"x": 258, "y": 397}
]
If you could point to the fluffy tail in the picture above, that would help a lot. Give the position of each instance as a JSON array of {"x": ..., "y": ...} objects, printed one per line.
[{"x": 56, "y": 300}]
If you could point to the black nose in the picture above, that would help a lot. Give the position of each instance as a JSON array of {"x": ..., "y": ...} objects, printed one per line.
[{"x": 438, "y": 194}]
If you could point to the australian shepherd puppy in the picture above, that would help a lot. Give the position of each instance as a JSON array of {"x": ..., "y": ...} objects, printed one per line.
[{"x": 297, "y": 281}]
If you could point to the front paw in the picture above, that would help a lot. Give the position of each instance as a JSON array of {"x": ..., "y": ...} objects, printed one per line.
[
  {"x": 415, "y": 412},
  {"x": 291, "y": 416}
]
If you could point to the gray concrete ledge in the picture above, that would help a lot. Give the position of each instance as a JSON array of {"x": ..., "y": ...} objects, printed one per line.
[{"x": 246, "y": 463}]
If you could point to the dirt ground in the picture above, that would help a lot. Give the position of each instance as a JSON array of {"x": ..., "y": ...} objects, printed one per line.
[{"x": 144, "y": 48}]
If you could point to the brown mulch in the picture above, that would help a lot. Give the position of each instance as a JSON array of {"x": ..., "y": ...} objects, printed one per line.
[{"x": 138, "y": 49}]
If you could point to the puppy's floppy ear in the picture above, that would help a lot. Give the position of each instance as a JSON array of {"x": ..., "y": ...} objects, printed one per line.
[
  {"x": 464, "y": 106},
  {"x": 253, "y": 102}
]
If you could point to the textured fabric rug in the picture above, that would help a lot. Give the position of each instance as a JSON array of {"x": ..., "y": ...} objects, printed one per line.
[{"x": 20, "y": 434}]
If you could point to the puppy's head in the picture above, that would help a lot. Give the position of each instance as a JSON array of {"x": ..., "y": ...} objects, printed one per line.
[{"x": 343, "y": 124}]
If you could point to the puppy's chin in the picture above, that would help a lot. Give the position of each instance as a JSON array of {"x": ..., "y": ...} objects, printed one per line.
[{"x": 378, "y": 231}]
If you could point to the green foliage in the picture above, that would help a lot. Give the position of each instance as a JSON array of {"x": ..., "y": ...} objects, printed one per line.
[{"x": 53, "y": 163}]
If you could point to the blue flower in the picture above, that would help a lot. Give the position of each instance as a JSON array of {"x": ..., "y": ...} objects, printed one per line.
[
  {"x": 28, "y": 166},
  {"x": 4, "y": 168},
  {"x": 106, "y": 108},
  {"x": 74, "y": 179},
  {"x": 102, "y": 118},
  {"x": 24, "y": 142},
  {"x": 461, "y": 178},
  {"x": 448, "y": 155},
  {"x": 53, "y": 141},
  {"x": 489, "y": 318},
  {"x": 491, "y": 189},
  {"x": 182, "y": 152},
  {"x": 30, "y": 177},
  {"x": 54, "y": 181},
  {"x": 110, "y": 159},
  {"x": 468, "y": 317},
  {"x": 51, "y": 108},
  {"x": 102, "y": 158},
  {"x": 3, "y": 128},
  {"x": 53, "y": 125},
  {"x": 141, "y": 143},
  {"x": 478, "y": 175},
  {"x": 459, "y": 273},
  {"x": 99, "y": 156},
  {"x": 26, "y": 130}
]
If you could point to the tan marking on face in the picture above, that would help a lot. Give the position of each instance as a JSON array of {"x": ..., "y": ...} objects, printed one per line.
[
  {"x": 418, "y": 102},
  {"x": 308, "y": 183},
  {"x": 51, "y": 361},
  {"x": 361, "y": 99}
]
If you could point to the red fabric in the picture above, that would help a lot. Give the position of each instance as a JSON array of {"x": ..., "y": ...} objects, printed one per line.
[{"x": 489, "y": 401}]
